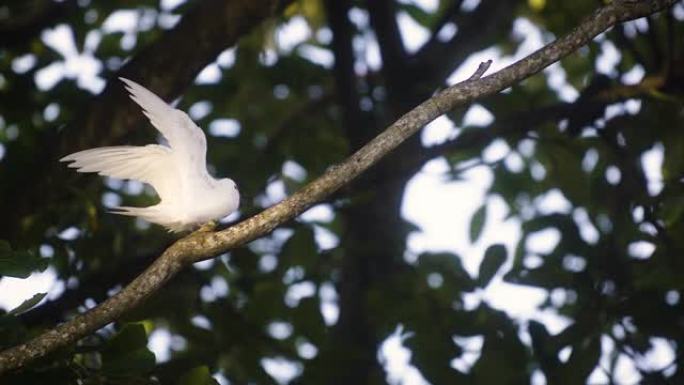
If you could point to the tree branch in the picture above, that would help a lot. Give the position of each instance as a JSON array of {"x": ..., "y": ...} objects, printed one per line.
[
  {"x": 204, "y": 245},
  {"x": 95, "y": 285},
  {"x": 346, "y": 87},
  {"x": 383, "y": 17},
  {"x": 524, "y": 121}
]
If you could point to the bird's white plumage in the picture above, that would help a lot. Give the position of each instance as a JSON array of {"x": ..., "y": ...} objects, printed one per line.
[{"x": 177, "y": 172}]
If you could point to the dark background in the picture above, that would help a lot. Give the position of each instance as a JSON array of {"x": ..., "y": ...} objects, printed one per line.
[{"x": 620, "y": 286}]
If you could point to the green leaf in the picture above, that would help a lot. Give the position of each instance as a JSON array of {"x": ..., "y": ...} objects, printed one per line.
[
  {"x": 301, "y": 248},
  {"x": 418, "y": 14},
  {"x": 432, "y": 353},
  {"x": 308, "y": 319},
  {"x": 197, "y": 376},
  {"x": 19, "y": 263},
  {"x": 504, "y": 357},
  {"x": 12, "y": 331},
  {"x": 133, "y": 362},
  {"x": 449, "y": 265},
  {"x": 494, "y": 258},
  {"x": 132, "y": 336},
  {"x": 477, "y": 223},
  {"x": 584, "y": 358},
  {"x": 28, "y": 304},
  {"x": 126, "y": 353}
]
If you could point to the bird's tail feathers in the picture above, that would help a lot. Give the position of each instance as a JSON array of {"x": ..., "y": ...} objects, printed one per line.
[{"x": 151, "y": 214}]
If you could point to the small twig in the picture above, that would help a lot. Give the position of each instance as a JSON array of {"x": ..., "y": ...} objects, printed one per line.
[{"x": 481, "y": 69}]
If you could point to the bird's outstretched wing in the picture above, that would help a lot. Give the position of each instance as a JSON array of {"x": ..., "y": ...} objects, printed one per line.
[
  {"x": 152, "y": 164},
  {"x": 185, "y": 138}
]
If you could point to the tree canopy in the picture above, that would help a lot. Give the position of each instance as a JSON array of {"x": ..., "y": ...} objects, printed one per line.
[{"x": 286, "y": 91}]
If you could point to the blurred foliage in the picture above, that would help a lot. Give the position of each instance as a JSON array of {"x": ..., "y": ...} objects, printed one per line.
[
  {"x": 20, "y": 264},
  {"x": 316, "y": 296}
]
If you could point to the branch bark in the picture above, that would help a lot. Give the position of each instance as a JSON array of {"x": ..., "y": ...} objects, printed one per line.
[{"x": 204, "y": 245}]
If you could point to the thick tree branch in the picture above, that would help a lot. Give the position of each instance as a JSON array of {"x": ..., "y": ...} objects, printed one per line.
[
  {"x": 353, "y": 340},
  {"x": 204, "y": 245},
  {"x": 346, "y": 86},
  {"x": 383, "y": 17}
]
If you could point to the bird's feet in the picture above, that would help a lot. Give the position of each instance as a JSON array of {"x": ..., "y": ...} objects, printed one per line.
[{"x": 207, "y": 227}]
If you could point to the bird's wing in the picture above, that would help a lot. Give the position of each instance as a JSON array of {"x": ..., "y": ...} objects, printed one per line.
[
  {"x": 152, "y": 164},
  {"x": 185, "y": 138}
]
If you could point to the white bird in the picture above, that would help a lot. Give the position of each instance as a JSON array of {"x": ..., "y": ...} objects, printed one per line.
[{"x": 189, "y": 196}]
